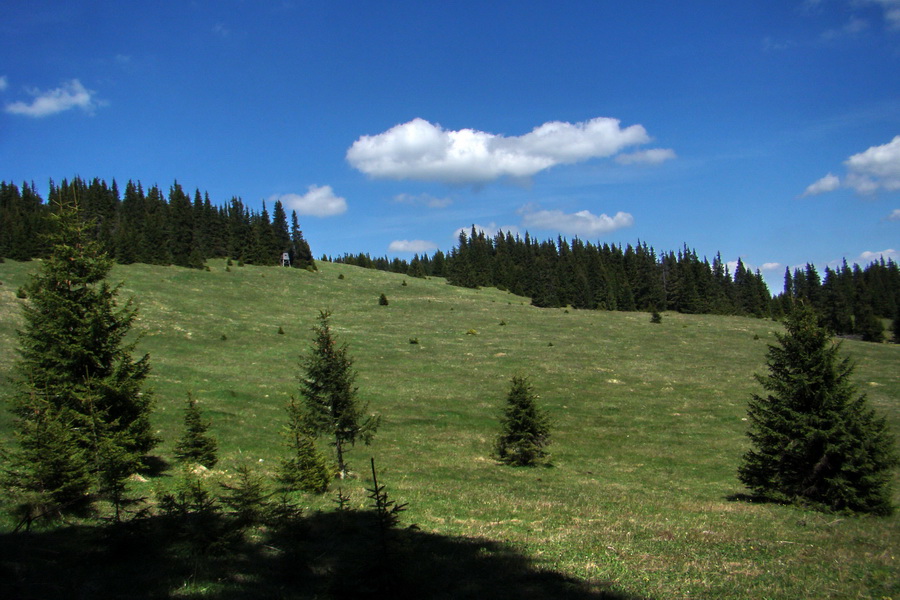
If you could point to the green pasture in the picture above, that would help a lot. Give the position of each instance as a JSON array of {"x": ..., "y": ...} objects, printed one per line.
[{"x": 641, "y": 496}]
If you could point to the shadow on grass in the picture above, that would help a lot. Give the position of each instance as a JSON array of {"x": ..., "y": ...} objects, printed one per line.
[{"x": 327, "y": 555}]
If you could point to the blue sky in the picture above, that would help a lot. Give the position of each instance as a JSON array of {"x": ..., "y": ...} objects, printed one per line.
[{"x": 768, "y": 131}]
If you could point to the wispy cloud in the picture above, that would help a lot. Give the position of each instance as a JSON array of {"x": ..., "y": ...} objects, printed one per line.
[
  {"x": 70, "y": 95},
  {"x": 221, "y": 30},
  {"x": 582, "y": 223},
  {"x": 894, "y": 216},
  {"x": 423, "y": 200},
  {"x": 653, "y": 156},
  {"x": 425, "y": 151},
  {"x": 3, "y": 83},
  {"x": 316, "y": 202},
  {"x": 412, "y": 246},
  {"x": 891, "y": 10}
]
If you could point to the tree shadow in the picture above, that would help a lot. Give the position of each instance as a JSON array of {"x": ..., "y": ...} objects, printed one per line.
[{"x": 341, "y": 554}]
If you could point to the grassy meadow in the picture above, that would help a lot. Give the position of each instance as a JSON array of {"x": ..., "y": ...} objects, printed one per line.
[{"x": 649, "y": 419}]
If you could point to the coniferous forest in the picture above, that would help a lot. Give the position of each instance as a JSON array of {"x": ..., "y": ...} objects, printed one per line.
[{"x": 154, "y": 227}]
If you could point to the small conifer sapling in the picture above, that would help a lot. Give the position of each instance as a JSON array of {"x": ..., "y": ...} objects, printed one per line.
[
  {"x": 196, "y": 444},
  {"x": 524, "y": 428}
]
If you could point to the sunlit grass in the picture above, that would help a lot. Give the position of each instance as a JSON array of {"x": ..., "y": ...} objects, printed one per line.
[{"x": 648, "y": 421}]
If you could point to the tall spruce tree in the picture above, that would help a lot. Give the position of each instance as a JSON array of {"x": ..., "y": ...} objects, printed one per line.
[
  {"x": 814, "y": 437},
  {"x": 332, "y": 408},
  {"x": 524, "y": 428},
  {"x": 82, "y": 420}
]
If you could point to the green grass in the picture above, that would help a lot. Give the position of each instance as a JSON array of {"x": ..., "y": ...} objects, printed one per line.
[{"x": 648, "y": 422}]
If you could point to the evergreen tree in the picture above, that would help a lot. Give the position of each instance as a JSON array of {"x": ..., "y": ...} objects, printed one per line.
[
  {"x": 305, "y": 468},
  {"x": 326, "y": 386},
  {"x": 814, "y": 436},
  {"x": 301, "y": 255},
  {"x": 196, "y": 445},
  {"x": 78, "y": 387},
  {"x": 525, "y": 428}
]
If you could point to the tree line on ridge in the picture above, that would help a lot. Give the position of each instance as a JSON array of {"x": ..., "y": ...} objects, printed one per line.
[{"x": 156, "y": 228}]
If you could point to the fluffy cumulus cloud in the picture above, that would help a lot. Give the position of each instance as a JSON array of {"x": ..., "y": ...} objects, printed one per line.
[
  {"x": 582, "y": 223},
  {"x": 828, "y": 183},
  {"x": 425, "y": 151},
  {"x": 877, "y": 168},
  {"x": 412, "y": 246},
  {"x": 771, "y": 266},
  {"x": 316, "y": 202},
  {"x": 70, "y": 95}
]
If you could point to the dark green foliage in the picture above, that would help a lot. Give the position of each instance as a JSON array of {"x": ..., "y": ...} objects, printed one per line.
[
  {"x": 196, "y": 445},
  {"x": 868, "y": 325},
  {"x": 382, "y": 300},
  {"x": 326, "y": 385},
  {"x": 655, "y": 317},
  {"x": 49, "y": 473},
  {"x": 895, "y": 327},
  {"x": 247, "y": 498},
  {"x": 305, "y": 469},
  {"x": 525, "y": 427},
  {"x": 814, "y": 437},
  {"x": 77, "y": 384}
]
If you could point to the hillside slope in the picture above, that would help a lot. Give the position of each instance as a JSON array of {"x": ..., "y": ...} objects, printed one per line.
[{"x": 648, "y": 420}]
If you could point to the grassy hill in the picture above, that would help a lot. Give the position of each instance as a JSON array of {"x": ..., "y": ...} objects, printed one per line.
[{"x": 649, "y": 422}]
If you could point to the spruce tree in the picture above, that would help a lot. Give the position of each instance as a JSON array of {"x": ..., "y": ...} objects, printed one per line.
[
  {"x": 332, "y": 408},
  {"x": 305, "y": 468},
  {"x": 196, "y": 445},
  {"x": 814, "y": 437},
  {"x": 77, "y": 386},
  {"x": 525, "y": 427}
]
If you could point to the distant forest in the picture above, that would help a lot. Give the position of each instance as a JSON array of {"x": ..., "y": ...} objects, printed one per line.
[
  {"x": 155, "y": 228},
  {"x": 588, "y": 276},
  {"x": 151, "y": 227}
]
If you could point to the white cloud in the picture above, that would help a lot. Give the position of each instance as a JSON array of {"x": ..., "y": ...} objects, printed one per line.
[
  {"x": 771, "y": 266},
  {"x": 581, "y": 223},
  {"x": 654, "y": 156},
  {"x": 895, "y": 215},
  {"x": 68, "y": 96},
  {"x": 829, "y": 183},
  {"x": 875, "y": 168},
  {"x": 423, "y": 199},
  {"x": 412, "y": 246},
  {"x": 4, "y": 83},
  {"x": 868, "y": 257},
  {"x": 424, "y": 151},
  {"x": 317, "y": 202}
]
